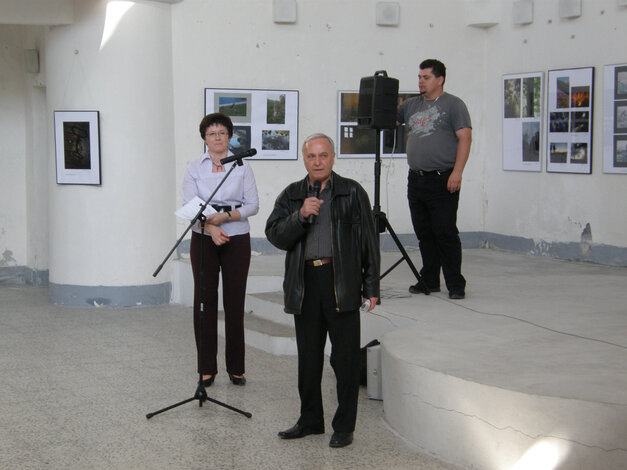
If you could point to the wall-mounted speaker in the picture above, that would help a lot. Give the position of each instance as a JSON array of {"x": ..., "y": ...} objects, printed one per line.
[
  {"x": 284, "y": 11},
  {"x": 388, "y": 13},
  {"x": 378, "y": 101},
  {"x": 522, "y": 12},
  {"x": 570, "y": 8}
]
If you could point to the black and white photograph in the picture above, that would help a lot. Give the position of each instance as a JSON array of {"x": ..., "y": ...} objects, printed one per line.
[
  {"x": 620, "y": 82},
  {"x": 620, "y": 151},
  {"x": 77, "y": 146},
  {"x": 620, "y": 117}
]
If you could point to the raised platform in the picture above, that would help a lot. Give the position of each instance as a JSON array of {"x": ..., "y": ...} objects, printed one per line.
[{"x": 528, "y": 372}]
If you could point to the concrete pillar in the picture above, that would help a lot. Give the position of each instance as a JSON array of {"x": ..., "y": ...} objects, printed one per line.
[{"x": 106, "y": 240}]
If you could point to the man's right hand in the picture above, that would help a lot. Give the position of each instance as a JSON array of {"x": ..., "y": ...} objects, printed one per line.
[{"x": 311, "y": 206}]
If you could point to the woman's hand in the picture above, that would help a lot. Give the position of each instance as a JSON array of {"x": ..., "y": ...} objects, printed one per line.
[{"x": 218, "y": 236}]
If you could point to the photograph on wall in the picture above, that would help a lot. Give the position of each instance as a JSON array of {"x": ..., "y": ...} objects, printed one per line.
[
  {"x": 562, "y": 92},
  {"x": 266, "y": 120},
  {"x": 240, "y": 142},
  {"x": 620, "y": 151},
  {"x": 360, "y": 142},
  {"x": 620, "y": 82},
  {"x": 522, "y": 121},
  {"x": 77, "y": 147},
  {"x": 620, "y": 117},
  {"x": 569, "y": 137},
  {"x": 531, "y": 97},
  {"x": 276, "y": 108},
  {"x": 615, "y": 118}
]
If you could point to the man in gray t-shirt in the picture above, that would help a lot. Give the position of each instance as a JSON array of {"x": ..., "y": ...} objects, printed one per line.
[{"x": 439, "y": 135}]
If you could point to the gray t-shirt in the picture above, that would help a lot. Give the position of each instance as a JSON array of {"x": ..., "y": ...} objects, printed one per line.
[{"x": 431, "y": 127}]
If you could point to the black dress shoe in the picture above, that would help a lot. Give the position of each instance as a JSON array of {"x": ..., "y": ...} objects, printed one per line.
[
  {"x": 341, "y": 439},
  {"x": 238, "y": 380},
  {"x": 456, "y": 295},
  {"x": 416, "y": 289},
  {"x": 297, "y": 431},
  {"x": 208, "y": 382}
]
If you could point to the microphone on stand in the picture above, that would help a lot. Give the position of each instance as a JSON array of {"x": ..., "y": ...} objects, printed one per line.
[
  {"x": 313, "y": 192},
  {"x": 239, "y": 156}
]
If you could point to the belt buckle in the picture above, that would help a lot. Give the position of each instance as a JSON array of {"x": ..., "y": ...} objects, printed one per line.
[
  {"x": 421, "y": 173},
  {"x": 317, "y": 262}
]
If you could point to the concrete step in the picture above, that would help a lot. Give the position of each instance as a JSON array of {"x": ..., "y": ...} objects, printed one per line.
[{"x": 269, "y": 336}]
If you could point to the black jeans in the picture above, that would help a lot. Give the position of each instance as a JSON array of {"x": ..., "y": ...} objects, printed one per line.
[
  {"x": 317, "y": 318},
  {"x": 434, "y": 217}
]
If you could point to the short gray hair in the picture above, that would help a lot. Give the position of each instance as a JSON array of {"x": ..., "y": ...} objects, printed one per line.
[{"x": 319, "y": 135}]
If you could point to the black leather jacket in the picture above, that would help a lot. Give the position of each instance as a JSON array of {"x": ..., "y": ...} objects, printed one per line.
[{"x": 355, "y": 250}]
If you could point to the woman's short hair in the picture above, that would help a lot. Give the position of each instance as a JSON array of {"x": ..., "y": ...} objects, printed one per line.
[{"x": 215, "y": 118}]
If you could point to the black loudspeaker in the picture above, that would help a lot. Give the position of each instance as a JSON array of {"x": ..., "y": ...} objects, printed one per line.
[{"x": 378, "y": 100}]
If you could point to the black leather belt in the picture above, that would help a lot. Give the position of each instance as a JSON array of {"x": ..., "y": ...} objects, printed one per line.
[
  {"x": 318, "y": 262},
  {"x": 225, "y": 208},
  {"x": 434, "y": 172}
]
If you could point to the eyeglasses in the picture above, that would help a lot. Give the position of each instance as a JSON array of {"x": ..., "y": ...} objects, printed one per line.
[{"x": 219, "y": 134}]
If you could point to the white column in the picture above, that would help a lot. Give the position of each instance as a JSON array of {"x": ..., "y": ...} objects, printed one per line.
[{"x": 107, "y": 240}]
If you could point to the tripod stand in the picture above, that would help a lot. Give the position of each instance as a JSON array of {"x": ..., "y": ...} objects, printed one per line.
[
  {"x": 201, "y": 393},
  {"x": 382, "y": 223}
]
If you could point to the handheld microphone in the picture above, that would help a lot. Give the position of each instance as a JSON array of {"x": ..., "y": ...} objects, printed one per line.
[
  {"x": 315, "y": 192},
  {"x": 238, "y": 156}
]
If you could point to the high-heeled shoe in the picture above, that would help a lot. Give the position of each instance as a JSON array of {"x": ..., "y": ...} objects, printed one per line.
[
  {"x": 208, "y": 382},
  {"x": 237, "y": 380}
]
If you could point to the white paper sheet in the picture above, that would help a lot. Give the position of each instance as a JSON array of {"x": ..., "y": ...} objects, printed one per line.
[{"x": 189, "y": 210}]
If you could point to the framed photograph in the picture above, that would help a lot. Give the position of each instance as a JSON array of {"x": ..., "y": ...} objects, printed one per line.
[
  {"x": 569, "y": 137},
  {"x": 266, "y": 120},
  {"x": 615, "y": 119},
  {"x": 522, "y": 121},
  {"x": 359, "y": 142},
  {"x": 77, "y": 147}
]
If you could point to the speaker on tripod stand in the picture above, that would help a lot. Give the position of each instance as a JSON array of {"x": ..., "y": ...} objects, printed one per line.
[{"x": 376, "y": 109}]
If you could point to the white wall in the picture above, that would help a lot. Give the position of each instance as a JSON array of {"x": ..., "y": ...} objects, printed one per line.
[
  {"x": 235, "y": 44},
  {"x": 550, "y": 206},
  {"x": 13, "y": 219}
]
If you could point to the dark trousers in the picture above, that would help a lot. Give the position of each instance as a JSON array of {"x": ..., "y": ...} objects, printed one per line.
[
  {"x": 434, "y": 217},
  {"x": 318, "y": 317},
  {"x": 233, "y": 259}
]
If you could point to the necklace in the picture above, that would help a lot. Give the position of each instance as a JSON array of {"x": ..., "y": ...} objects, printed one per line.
[{"x": 218, "y": 166}]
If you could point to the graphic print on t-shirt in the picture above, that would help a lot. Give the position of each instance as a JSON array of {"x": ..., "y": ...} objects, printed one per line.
[{"x": 423, "y": 122}]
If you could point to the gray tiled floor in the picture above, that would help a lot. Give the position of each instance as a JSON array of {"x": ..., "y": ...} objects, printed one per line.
[{"x": 76, "y": 385}]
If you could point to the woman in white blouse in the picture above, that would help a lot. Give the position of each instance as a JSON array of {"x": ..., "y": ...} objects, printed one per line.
[{"x": 226, "y": 248}]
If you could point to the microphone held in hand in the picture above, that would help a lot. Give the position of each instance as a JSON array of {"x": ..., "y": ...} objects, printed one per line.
[
  {"x": 238, "y": 156},
  {"x": 314, "y": 192}
]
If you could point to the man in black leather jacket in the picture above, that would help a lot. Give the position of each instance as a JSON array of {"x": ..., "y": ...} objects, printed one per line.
[{"x": 331, "y": 268}]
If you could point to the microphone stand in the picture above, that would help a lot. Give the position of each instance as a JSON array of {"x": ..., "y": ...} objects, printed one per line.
[
  {"x": 201, "y": 393},
  {"x": 382, "y": 223}
]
